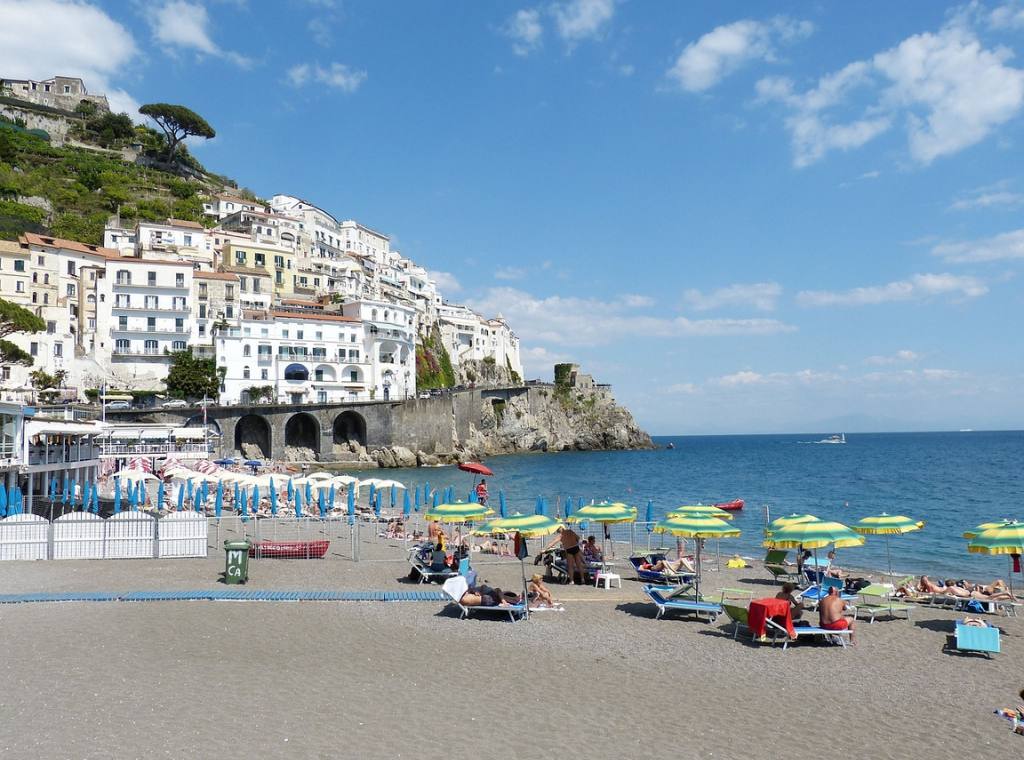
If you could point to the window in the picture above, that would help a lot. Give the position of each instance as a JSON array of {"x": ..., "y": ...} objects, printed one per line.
[
  {"x": 202, "y": 331},
  {"x": 321, "y": 396},
  {"x": 284, "y": 333},
  {"x": 122, "y": 323},
  {"x": 41, "y": 261},
  {"x": 5, "y": 373},
  {"x": 247, "y": 350},
  {"x": 243, "y": 284},
  {"x": 124, "y": 277},
  {"x": 245, "y": 373},
  {"x": 152, "y": 302},
  {"x": 179, "y": 324},
  {"x": 151, "y": 278},
  {"x": 51, "y": 327},
  {"x": 178, "y": 345},
  {"x": 263, "y": 374},
  {"x": 261, "y": 260},
  {"x": 33, "y": 349},
  {"x": 240, "y": 258},
  {"x": 152, "y": 347},
  {"x": 122, "y": 346},
  {"x": 179, "y": 303},
  {"x": 318, "y": 375},
  {"x": 179, "y": 280},
  {"x": 67, "y": 89},
  {"x": 188, "y": 240},
  {"x": 35, "y": 297},
  {"x": 278, "y": 278},
  {"x": 19, "y": 265},
  {"x": 71, "y": 290},
  {"x": 299, "y": 334},
  {"x": 279, "y": 262},
  {"x": 255, "y": 285},
  {"x": 19, "y": 287},
  {"x": 229, "y": 312},
  {"x": 203, "y": 293},
  {"x": 151, "y": 323},
  {"x": 353, "y": 376},
  {"x": 229, "y": 292},
  {"x": 46, "y": 278},
  {"x": 58, "y": 349},
  {"x": 202, "y": 311}
]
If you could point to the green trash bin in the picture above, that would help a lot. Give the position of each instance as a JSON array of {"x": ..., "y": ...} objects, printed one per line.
[{"x": 236, "y": 561}]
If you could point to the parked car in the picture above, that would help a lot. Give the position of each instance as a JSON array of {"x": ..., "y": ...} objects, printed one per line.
[
  {"x": 116, "y": 405},
  {"x": 175, "y": 403},
  {"x": 436, "y": 392},
  {"x": 207, "y": 402},
  {"x": 425, "y": 394}
]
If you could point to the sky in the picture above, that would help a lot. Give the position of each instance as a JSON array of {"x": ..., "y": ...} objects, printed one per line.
[{"x": 770, "y": 217}]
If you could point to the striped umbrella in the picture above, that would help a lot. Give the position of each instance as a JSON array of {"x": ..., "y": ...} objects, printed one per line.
[
  {"x": 606, "y": 512},
  {"x": 887, "y": 525},
  {"x": 814, "y": 535},
  {"x": 794, "y": 519},
  {"x": 458, "y": 512},
  {"x": 1005, "y": 539},
  {"x": 527, "y": 526},
  {"x": 707, "y": 510},
  {"x": 698, "y": 527},
  {"x": 975, "y": 532}
]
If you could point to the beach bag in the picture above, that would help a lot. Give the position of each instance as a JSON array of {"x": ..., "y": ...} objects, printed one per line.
[{"x": 974, "y": 606}]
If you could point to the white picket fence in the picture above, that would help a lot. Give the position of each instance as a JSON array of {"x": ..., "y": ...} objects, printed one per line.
[{"x": 83, "y": 535}]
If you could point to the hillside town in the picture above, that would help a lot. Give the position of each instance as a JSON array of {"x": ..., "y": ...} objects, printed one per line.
[{"x": 295, "y": 304}]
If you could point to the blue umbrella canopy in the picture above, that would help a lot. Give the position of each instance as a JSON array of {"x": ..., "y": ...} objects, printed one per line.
[
  {"x": 53, "y": 489},
  {"x": 502, "y": 506},
  {"x": 142, "y": 492},
  {"x": 376, "y": 505},
  {"x": 191, "y": 491},
  {"x": 406, "y": 505},
  {"x": 330, "y": 496},
  {"x": 351, "y": 501},
  {"x": 436, "y": 499},
  {"x": 273, "y": 497},
  {"x": 67, "y": 490},
  {"x": 309, "y": 493},
  {"x": 416, "y": 506},
  {"x": 243, "y": 503},
  {"x": 298, "y": 502},
  {"x": 218, "y": 503},
  {"x": 291, "y": 490},
  {"x": 224, "y": 461},
  {"x": 255, "y": 498},
  {"x": 237, "y": 495},
  {"x": 159, "y": 496},
  {"x": 181, "y": 496},
  {"x": 321, "y": 503},
  {"x": 95, "y": 499},
  {"x": 393, "y": 497},
  {"x": 649, "y": 515},
  {"x": 117, "y": 494},
  {"x": 540, "y": 507},
  {"x": 3, "y": 500},
  {"x": 75, "y": 492},
  {"x": 568, "y": 506}
]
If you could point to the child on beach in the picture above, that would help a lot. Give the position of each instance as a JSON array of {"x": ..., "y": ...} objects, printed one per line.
[{"x": 539, "y": 593}]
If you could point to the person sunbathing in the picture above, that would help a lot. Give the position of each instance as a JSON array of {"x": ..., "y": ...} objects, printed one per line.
[
  {"x": 927, "y": 586},
  {"x": 833, "y": 570},
  {"x": 485, "y": 596},
  {"x": 668, "y": 566},
  {"x": 538, "y": 592}
]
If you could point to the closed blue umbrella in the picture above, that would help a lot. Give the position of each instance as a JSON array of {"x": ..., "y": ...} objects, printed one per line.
[
  {"x": 416, "y": 506},
  {"x": 406, "y": 505},
  {"x": 393, "y": 497},
  {"x": 376, "y": 505},
  {"x": 568, "y": 506},
  {"x": 142, "y": 492},
  {"x": 160, "y": 496},
  {"x": 191, "y": 492},
  {"x": 181, "y": 496},
  {"x": 471, "y": 498},
  {"x": 351, "y": 502},
  {"x": 218, "y": 503},
  {"x": 53, "y": 489},
  {"x": 298, "y": 502},
  {"x": 117, "y": 494},
  {"x": 330, "y": 497},
  {"x": 502, "y": 507},
  {"x": 580, "y": 504},
  {"x": 132, "y": 496},
  {"x": 309, "y": 493},
  {"x": 76, "y": 493},
  {"x": 205, "y": 491},
  {"x": 373, "y": 492},
  {"x": 15, "y": 506},
  {"x": 95, "y": 499},
  {"x": 273, "y": 498},
  {"x": 255, "y": 499},
  {"x": 237, "y": 497},
  {"x": 539, "y": 508},
  {"x": 291, "y": 490},
  {"x": 426, "y": 492},
  {"x": 243, "y": 503},
  {"x": 3, "y": 500},
  {"x": 436, "y": 499},
  {"x": 321, "y": 502},
  {"x": 649, "y": 515},
  {"x": 67, "y": 486}
]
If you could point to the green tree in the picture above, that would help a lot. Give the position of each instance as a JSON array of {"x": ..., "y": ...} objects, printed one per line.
[
  {"x": 177, "y": 123},
  {"x": 192, "y": 377},
  {"x": 14, "y": 319}
]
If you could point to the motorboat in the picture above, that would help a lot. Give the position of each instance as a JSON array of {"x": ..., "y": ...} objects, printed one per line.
[
  {"x": 731, "y": 506},
  {"x": 841, "y": 438}
]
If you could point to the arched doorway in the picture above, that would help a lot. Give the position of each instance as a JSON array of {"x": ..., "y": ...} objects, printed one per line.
[
  {"x": 302, "y": 431},
  {"x": 349, "y": 429},
  {"x": 252, "y": 437}
]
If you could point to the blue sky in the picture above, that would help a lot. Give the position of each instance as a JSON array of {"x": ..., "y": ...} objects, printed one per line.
[{"x": 748, "y": 217}]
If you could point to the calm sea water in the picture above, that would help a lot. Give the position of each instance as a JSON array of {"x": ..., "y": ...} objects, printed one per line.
[{"x": 953, "y": 481}]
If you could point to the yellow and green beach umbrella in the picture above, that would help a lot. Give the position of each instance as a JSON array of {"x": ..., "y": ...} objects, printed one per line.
[
  {"x": 814, "y": 534},
  {"x": 706, "y": 510},
  {"x": 530, "y": 526},
  {"x": 698, "y": 527},
  {"x": 781, "y": 522},
  {"x": 975, "y": 532},
  {"x": 887, "y": 525},
  {"x": 458, "y": 512},
  {"x": 606, "y": 512},
  {"x": 1005, "y": 539}
]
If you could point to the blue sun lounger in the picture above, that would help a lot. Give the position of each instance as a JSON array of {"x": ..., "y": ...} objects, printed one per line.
[
  {"x": 662, "y": 597},
  {"x": 654, "y": 576},
  {"x": 980, "y": 639},
  {"x": 815, "y": 594}
]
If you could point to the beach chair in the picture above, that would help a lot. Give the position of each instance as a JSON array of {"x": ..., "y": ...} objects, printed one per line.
[
  {"x": 834, "y": 637},
  {"x": 455, "y": 587},
  {"x": 775, "y": 564},
  {"x": 977, "y": 639},
  {"x": 665, "y": 598},
  {"x": 657, "y": 578},
  {"x": 740, "y": 617},
  {"x": 811, "y": 596},
  {"x": 425, "y": 573},
  {"x": 877, "y": 599}
]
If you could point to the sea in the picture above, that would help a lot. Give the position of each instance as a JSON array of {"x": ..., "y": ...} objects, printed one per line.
[{"x": 950, "y": 480}]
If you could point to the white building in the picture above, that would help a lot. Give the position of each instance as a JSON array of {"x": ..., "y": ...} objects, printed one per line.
[
  {"x": 220, "y": 206},
  {"x": 391, "y": 344},
  {"x": 470, "y": 337}
]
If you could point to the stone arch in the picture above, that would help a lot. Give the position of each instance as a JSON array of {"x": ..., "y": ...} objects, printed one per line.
[
  {"x": 303, "y": 431},
  {"x": 350, "y": 428},
  {"x": 196, "y": 421},
  {"x": 253, "y": 436}
]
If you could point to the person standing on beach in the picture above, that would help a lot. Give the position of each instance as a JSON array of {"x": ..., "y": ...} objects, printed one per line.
[
  {"x": 570, "y": 542},
  {"x": 831, "y": 610},
  {"x": 481, "y": 492}
]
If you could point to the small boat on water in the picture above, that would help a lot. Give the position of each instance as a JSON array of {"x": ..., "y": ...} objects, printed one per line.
[
  {"x": 670, "y": 445},
  {"x": 731, "y": 506},
  {"x": 841, "y": 438}
]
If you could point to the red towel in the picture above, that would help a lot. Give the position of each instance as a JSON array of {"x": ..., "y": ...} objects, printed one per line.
[{"x": 777, "y": 609}]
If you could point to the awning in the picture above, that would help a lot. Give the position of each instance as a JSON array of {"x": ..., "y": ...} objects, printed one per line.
[
  {"x": 153, "y": 435},
  {"x": 190, "y": 433},
  {"x": 116, "y": 397},
  {"x": 41, "y": 427}
]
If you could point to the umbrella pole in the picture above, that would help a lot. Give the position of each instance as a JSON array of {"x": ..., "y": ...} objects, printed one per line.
[
  {"x": 696, "y": 597},
  {"x": 888, "y": 555},
  {"x": 522, "y": 568}
]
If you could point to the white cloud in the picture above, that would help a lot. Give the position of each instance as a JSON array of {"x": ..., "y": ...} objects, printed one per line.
[
  {"x": 946, "y": 87},
  {"x": 917, "y": 287},
  {"x": 186, "y": 25},
  {"x": 525, "y": 30},
  {"x": 1009, "y": 16},
  {"x": 988, "y": 200},
  {"x": 743, "y": 377},
  {"x": 579, "y": 20},
  {"x": 1002, "y": 247},
  {"x": 900, "y": 357},
  {"x": 636, "y": 301},
  {"x": 320, "y": 31},
  {"x": 575, "y": 321},
  {"x": 757, "y": 295},
  {"x": 685, "y": 389},
  {"x": 42, "y": 38},
  {"x": 337, "y": 75},
  {"x": 509, "y": 273},
  {"x": 445, "y": 281},
  {"x": 723, "y": 50}
]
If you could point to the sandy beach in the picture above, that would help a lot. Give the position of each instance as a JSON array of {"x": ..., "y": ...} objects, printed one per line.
[{"x": 383, "y": 680}]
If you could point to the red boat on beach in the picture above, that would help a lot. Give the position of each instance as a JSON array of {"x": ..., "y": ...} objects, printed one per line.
[
  {"x": 731, "y": 506},
  {"x": 289, "y": 549}
]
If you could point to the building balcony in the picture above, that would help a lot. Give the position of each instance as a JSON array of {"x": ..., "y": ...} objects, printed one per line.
[
  {"x": 264, "y": 360},
  {"x": 153, "y": 286},
  {"x": 147, "y": 353},
  {"x": 182, "y": 308},
  {"x": 156, "y": 330}
]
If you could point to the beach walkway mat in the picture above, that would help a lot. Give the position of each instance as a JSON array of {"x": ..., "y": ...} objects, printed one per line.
[{"x": 226, "y": 595}]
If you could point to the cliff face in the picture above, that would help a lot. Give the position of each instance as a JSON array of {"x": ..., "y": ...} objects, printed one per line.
[{"x": 555, "y": 419}]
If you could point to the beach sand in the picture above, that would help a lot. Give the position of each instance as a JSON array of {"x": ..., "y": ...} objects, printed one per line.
[{"x": 384, "y": 680}]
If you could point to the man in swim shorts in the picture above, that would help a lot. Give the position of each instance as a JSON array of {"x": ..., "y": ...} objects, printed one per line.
[{"x": 830, "y": 611}]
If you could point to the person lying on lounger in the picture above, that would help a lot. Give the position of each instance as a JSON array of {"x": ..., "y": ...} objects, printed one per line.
[
  {"x": 485, "y": 596},
  {"x": 996, "y": 593},
  {"x": 830, "y": 611},
  {"x": 668, "y": 566}
]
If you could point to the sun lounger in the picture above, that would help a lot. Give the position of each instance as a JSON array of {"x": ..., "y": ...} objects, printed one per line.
[
  {"x": 656, "y": 577},
  {"x": 662, "y": 596},
  {"x": 811, "y": 596},
  {"x": 877, "y": 600},
  {"x": 775, "y": 564},
  {"x": 455, "y": 587},
  {"x": 740, "y": 617},
  {"x": 835, "y": 637},
  {"x": 425, "y": 573},
  {"x": 980, "y": 639}
]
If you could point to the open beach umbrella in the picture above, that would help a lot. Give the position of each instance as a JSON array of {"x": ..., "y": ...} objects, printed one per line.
[
  {"x": 887, "y": 525},
  {"x": 218, "y": 503},
  {"x": 117, "y": 494},
  {"x": 476, "y": 468},
  {"x": 1005, "y": 539},
  {"x": 605, "y": 512},
  {"x": 977, "y": 531},
  {"x": 321, "y": 475},
  {"x": 458, "y": 512},
  {"x": 697, "y": 527},
  {"x": 707, "y": 510},
  {"x": 527, "y": 526},
  {"x": 813, "y": 535},
  {"x": 794, "y": 519}
]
